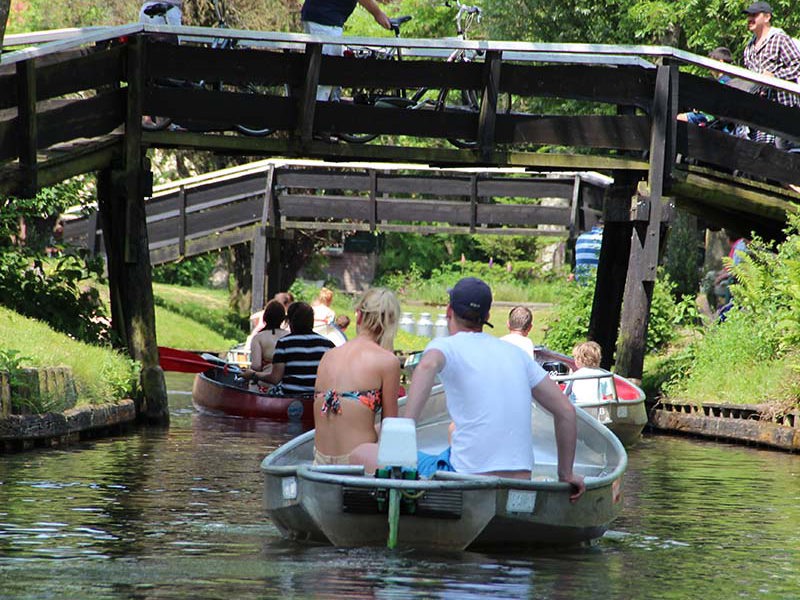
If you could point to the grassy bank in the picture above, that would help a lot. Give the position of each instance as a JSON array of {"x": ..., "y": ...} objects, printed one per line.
[{"x": 101, "y": 374}]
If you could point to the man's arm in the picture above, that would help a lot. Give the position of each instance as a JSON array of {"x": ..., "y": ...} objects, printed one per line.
[
  {"x": 376, "y": 12},
  {"x": 551, "y": 398},
  {"x": 422, "y": 381}
]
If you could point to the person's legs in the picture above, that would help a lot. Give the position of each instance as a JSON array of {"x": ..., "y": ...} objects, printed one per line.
[
  {"x": 367, "y": 455},
  {"x": 325, "y": 92}
]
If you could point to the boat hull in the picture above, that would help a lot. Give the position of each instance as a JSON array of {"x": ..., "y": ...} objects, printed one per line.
[
  {"x": 625, "y": 415},
  {"x": 217, "y": 392},
  {"x": 339, "y": 505}
]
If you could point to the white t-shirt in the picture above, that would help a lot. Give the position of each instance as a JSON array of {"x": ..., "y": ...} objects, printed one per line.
[
  {"x": 591, "y": 391},
  {"x": 488, "y": 386},
  {"x": 520, "y": 341}
]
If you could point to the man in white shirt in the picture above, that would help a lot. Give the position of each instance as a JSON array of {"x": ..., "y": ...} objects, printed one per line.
[
  {"x": 520, "y": 322},
  {"x": 489, "y": 387}
]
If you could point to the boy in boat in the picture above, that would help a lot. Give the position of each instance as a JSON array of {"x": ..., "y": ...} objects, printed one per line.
[{"x": 489, "y": 387}]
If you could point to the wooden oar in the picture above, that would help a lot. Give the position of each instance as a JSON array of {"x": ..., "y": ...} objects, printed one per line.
[{"x": 181, "y": 361}]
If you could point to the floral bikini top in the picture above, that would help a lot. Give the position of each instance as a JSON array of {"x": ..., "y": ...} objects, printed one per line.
[{"x": 332, "y": 400}]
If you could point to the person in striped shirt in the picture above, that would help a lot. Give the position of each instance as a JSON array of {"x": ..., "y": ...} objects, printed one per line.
[
  {"x": 587, "y": 253},
  {"x": 297, "y": 355}
]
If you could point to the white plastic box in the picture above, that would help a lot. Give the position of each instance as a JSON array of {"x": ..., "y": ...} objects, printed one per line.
[{"x": 397, "y": 446}]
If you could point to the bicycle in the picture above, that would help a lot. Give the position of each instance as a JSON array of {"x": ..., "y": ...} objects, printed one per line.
[
  {"x": 466, "y": 100},
  {"x": 150, "y": 123}
]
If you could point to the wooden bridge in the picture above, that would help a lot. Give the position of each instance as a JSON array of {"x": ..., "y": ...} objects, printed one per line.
[{"x": 75, "y": 105}]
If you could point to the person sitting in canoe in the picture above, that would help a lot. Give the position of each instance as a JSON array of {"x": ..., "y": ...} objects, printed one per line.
[
  {"x": 263, "y": 340},
  {"x": 355, "y": 382},
  {"x": 489, "y": 385},
  {"x": 297, "y": 355}
]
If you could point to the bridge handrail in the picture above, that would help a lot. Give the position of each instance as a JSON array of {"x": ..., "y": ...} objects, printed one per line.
[{"x": 522, "y": 51}]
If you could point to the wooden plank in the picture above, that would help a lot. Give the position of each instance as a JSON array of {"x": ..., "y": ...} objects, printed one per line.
[
  {"x": 8, "y": 137},
  {"x": 81, "y": 118},
  {"x": 612, "y": 85},
  {"x": 622, "y": 132},
  {"x": 525, "y": 187},
  {"x": 232, "y": 66},
  {"x": 199, "y": 108},
  {"x": 728, "y": 102},
  {"x": 314, "y": 178},
  {"x": 736, "y": 154},
  {"x": 88, "y": 69},
  {"x": 421, "y": 229},
  {"x": 203, "y": 245},
  {"x": 522, "y": 214},
  {"x": 488, "y": 112},
  {"x": 446, "y": 157},
  {"x": 352, "y": 72},
  {"x": 182, "y": 220}
]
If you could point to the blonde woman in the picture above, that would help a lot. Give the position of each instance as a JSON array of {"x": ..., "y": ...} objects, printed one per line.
[{"x": 356, "y": 382}]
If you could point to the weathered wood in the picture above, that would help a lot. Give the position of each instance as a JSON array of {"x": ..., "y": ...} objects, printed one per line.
[
  {"x": 275, "y": 282},
  {"x": 626, "y": 132},
  {"x": 612, "y": 269},
  {"x": 613, "y": 85},
  {"x": 421, "y": 229},
  {"x": 83, "y": 118},
  {"x": 488, "y": 112},
  {"x": 728, "y": 102},
  {"x": 27, "y": 130},
  {"x": 645, "y": 240},
  {"x": 307, "y": 102}
]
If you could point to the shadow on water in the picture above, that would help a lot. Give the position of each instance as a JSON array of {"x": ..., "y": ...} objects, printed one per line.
[{"x": 176, "y": 513}]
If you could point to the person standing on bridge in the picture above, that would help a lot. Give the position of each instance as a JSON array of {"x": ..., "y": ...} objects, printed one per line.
[
  {"x": 327, "y": 17},
  {"x": 771, "y": 52}
]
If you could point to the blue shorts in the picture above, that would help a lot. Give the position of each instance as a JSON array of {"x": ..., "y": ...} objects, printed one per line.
[{"x": 428, "y": 464}]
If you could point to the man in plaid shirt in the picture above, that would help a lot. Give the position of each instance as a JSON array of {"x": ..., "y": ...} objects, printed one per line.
[{"x": 771, "y": 52}]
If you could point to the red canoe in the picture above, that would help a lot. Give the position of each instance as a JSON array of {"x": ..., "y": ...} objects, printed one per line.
[{"x": 217, "y": 392}]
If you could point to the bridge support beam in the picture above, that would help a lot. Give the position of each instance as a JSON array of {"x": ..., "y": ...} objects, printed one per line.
[
  {"x": 646, "y": 214},
  {"x": 120, "y": 193}
]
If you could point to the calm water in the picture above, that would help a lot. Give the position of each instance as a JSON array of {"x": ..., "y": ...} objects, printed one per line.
[{"x": 177, "y": 514}]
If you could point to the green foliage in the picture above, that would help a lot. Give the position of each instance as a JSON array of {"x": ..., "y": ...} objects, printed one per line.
[
  {"x": 11, "y": 362},
  {"x": 523, "y": 281},
  {"x": 193, "y": 271},
  {"x": 570, "y": 323},
  {"x": 101, "y": 374},
  {"x": 759, "y": 337},
  {"x": 224, "y": 322},
  {"x": 426, "y": 252}
]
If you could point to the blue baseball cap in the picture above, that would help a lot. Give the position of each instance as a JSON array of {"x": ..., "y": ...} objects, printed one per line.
[{"x": 471, "y": 299}]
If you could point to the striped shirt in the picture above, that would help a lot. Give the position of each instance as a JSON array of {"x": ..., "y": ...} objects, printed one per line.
[
  {"x": 587, "y": 252},
  {"x": 300, "y": 354}
]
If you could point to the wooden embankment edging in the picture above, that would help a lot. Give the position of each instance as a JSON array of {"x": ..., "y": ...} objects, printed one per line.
[
  {"x": 736, "y": 423},
  {"x": 22, "y": 432}
]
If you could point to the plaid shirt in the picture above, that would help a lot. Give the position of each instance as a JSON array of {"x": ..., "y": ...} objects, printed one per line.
[{"x": 778, "y": 55}]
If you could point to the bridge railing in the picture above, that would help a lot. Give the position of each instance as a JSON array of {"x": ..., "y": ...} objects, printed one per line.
[{"x": 72, "y": 88}]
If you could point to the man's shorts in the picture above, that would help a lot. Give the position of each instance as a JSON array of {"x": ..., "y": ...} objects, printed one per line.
[{"x": 428, "y": 464}]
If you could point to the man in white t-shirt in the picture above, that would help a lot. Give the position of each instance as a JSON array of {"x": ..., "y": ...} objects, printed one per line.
[
  {"x": 489, "y": 385},
  {"x": 520, "y": 322}
]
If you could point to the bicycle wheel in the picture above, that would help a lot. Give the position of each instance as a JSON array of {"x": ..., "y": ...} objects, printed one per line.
[
  {"x": 254, "y": 128},
  {"x": 459, "y": 100}
]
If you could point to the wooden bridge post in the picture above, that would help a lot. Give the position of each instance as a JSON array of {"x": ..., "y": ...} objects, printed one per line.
[
  {"x": 121, "y": 192},
  {"x": 27, "y": 127},
  {"x": 613, "y": 266},
  {"x": 307, "y": 102},
  {"x": 488, "y": 115},
  {"x": 646, "y": 215},
  {"x": 262, "y": 248}
]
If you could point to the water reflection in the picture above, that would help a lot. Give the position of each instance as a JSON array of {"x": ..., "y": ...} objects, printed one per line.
[{"x": 176, "y": 513}]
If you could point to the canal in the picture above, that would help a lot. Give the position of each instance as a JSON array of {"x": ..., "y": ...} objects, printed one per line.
[{"x": 176, "y": 513}]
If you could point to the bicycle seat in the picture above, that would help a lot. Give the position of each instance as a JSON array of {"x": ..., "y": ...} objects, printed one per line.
[
  {"x": 397, "y": 21},
  {"x": 158, "y": 9}
]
